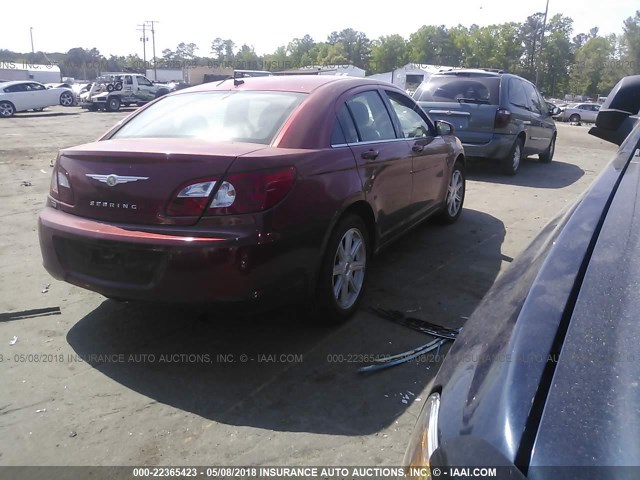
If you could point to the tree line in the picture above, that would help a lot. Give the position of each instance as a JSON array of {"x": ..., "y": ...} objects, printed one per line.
[{"x": 561, "y": 61}]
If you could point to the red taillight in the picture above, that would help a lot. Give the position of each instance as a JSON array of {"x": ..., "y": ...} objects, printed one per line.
[
  {"x": 252, "y": 191},
  {"x": 61, "y": 186},
  {"x": 246, "y": 192},
  {"x": 503, "y": 118},
  {"x": 191, "y": 199}
]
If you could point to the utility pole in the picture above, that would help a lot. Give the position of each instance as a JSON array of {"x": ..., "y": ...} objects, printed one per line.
[
  {"x": 144, "y": 39},
  {"x": 153, "y": 41},
  {"x": 544, "y": 27},
  {"x": 33, "y": 52}
]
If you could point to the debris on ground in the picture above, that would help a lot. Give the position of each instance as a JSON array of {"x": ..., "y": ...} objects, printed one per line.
[
  {"x": 418, "y": 324},
  {"x": 46, "y": 288},
  {"x": 14, "y": 340},
  {"x": 403, "y": 357},
  {"x": 442, "y": 334},
  {"x": 24, "y": 183},
  {"x": 34, "y": 312},
  {"x": 41, "y": 410},
  {"x": 51, "y": 163},
  {"x": 43, "y": 170},
  {"x": 72, "y": 434}
]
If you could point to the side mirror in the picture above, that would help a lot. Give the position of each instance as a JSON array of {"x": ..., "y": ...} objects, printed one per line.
[
  {"x": 555, "y": 111},
  {"x": 444, "y": 128}
]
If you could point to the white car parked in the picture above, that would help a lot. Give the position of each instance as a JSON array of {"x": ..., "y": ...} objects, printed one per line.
[{"x": 19, "y": 96}]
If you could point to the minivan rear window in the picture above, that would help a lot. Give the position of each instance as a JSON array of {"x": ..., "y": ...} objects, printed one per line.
[{"x": 457, "y": 88}]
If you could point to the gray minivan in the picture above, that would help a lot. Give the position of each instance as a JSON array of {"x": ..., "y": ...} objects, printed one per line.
[{"x": 495, "y": 115}]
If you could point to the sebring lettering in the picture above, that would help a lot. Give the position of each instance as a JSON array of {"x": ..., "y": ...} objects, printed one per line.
[{"x": 124, "y": 206}]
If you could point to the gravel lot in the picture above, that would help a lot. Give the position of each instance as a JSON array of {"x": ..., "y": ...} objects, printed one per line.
[{"x": 108, "y": 383}]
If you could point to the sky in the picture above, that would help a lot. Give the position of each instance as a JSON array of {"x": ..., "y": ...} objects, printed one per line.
[{"x": 267, "y": 24}]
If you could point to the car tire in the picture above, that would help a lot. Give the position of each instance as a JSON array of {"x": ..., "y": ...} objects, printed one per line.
[
  {"x": 547, "y": 155},
  {"x": 110, "y": 88},
  {"x": 7, "y": 109},
  {"x": 66, "y": 99},
  {"x": 454, "y": 200},
  {"x": 339, "y": 293},
  {"x": 118, "y": 86},
  {"x": 511, "y": 163},
  {"x": 113, "y": 104},
  {"x": 161, "y": 93},
  {"x": 574, "y": 118}
]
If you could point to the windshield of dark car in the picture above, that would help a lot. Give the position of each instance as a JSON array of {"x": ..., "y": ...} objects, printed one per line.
[
  {"x": 455, "y": 88},
  {"x": 244, "y": 116}
]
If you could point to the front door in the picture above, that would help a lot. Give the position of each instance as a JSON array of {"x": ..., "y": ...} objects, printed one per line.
[{"x": 384, "y": 160}]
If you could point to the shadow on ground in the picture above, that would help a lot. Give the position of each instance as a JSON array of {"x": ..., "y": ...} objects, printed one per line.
[
  {"x": 281, "y": 371},
  {"x": 532, "y": 173},
  {"x": 19, "y": 115}
]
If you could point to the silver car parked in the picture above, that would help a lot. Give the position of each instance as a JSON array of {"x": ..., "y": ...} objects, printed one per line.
[{"x": 580, "y": 112}]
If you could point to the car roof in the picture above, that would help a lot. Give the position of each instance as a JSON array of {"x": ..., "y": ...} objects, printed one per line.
[
  {"x": 476, "y": 71},
  {"x": 17, "y": 82},
  {"x": 286, "y": 83}
]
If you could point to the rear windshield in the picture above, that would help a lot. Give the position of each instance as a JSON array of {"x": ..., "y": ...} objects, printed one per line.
[
  {"x": 452, "y": 88},
  {"x": 243, "y": 116}
]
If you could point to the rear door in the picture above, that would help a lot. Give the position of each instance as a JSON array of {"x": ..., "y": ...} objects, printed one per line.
[
  {"x": 429, "y": 166},
  {"x": 519, "y": 105},
  {"x": 383, "y": 158},
  {"x": 590, "y": 112},
  {"x": 41, "y": 96},
  {"x": 537, "y": 137}
]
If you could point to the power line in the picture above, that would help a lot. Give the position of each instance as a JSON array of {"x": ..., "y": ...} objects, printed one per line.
[
  {"x": 144, "y": 39},
  {"x": 153, "y": 42}
]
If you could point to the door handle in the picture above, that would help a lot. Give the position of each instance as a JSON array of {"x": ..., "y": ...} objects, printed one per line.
[
  {"x": 418, "y": 148},
  {"x": 370, "y": 154}
]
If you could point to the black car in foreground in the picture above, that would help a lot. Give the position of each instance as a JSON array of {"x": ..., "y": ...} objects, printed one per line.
[{"x": 544, "y": 381}]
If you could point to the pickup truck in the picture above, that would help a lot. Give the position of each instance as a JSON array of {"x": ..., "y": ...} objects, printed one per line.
[{"x": 111, "y": 92}]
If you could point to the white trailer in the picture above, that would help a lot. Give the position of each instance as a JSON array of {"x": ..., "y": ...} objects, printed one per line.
[{"x": 26, "y": 71}]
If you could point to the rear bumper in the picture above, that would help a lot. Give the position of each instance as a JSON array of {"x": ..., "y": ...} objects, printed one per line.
[
  {"x": 498, "y": 146},
  {"x": 122, "y": 262}
]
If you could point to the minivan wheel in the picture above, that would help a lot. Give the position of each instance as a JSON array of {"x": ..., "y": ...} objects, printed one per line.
[
  {"x": 343, "y": 270},
  {"x": 575, "y": 118},
  {"x": 547, "y": 155},
  {"x": 454, "y": 199},
  {"x": 511, "y": 163}
]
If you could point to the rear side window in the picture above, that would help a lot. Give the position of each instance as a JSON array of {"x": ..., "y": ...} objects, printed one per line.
[
  {"x": 243, "y": 116},
  {"x": 517, "y": 95},
  {"x": 20, "y": 87},
  {"x": 344, "y": 130},
  {"x": 371, "y": 117},
  {"x": 534, "y": 99},
  {"x": 459, "y": 88}
]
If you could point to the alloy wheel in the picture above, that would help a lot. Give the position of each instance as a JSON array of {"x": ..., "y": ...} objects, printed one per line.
[
  {"x": 6, "y": 109},
  {"x": 349, "y": 268},
  {"x": 66, "y": 100},
  {"x": 454, "y": 193}
]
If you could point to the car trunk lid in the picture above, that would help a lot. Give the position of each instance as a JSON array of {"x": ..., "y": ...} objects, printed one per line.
[{"x": 133, "y": 180}]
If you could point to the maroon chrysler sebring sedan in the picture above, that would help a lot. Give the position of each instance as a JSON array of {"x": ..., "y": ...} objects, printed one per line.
[{"x": 272, "y": 187}]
